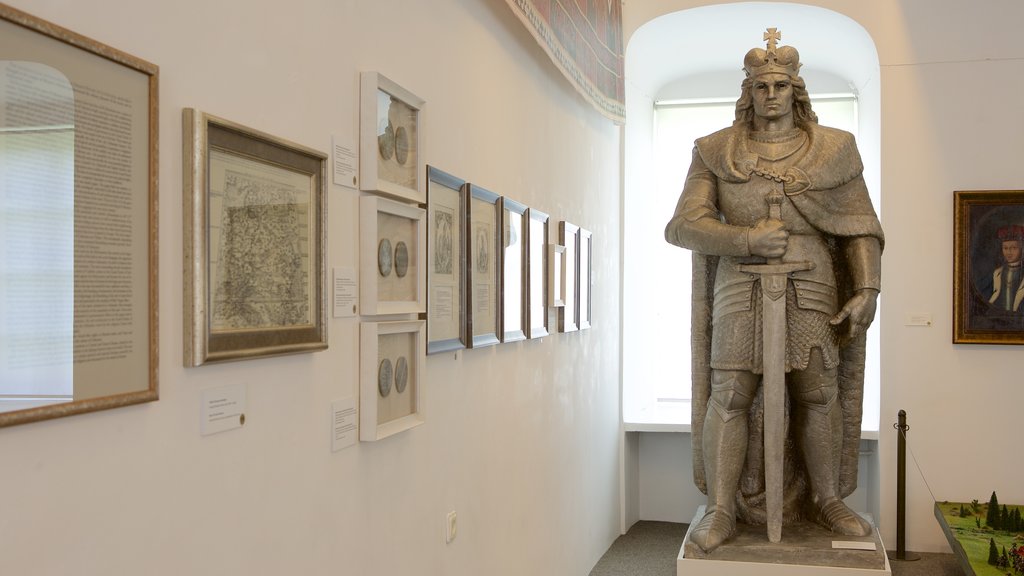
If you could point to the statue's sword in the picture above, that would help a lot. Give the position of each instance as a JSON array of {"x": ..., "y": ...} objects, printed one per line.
[{"x": 774, "y": 277}]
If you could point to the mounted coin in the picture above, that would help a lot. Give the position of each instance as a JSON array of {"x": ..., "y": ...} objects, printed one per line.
[
  {"x": 384, "y": 374},
  {"x": 401, "y": 374},
  {"x": 401, "y": 259},
  {"x": 401, "y": 145},
  {"x": 384, "y": 261},
  {"x": 386, "y": 141}
]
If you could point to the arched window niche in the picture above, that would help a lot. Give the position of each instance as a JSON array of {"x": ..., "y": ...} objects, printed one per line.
[{"x": 695, "y": 56}]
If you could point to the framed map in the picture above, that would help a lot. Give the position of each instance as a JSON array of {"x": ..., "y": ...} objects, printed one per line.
[
  {"x": 446, "y": 261},
  {"x": 254, "y": 255}
]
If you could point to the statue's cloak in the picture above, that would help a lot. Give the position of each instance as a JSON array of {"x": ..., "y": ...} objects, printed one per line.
[{"x": 826, "y": 185}]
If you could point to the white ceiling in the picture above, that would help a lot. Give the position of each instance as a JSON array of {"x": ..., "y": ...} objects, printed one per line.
[{"x": 714, "y": 39}]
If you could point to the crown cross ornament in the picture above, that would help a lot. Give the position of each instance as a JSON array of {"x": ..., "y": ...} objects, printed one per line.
[
  {"x": 772, "y": 36},
  {"x": 784, "y": 60}
]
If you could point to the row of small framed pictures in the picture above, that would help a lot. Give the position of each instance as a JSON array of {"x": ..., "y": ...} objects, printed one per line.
[{"x": 490, "y": 276}]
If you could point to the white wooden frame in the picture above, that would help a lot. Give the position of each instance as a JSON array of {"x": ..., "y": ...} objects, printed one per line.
[
  {"x": 372, "y": 164},
  {"x": 370, "y": 284},
  {"x": 373, "y": 425},
  {"x": 537, "y": 301}
]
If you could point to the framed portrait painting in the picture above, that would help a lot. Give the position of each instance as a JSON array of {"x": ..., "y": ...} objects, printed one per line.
[{"x": 988, "y": 279}]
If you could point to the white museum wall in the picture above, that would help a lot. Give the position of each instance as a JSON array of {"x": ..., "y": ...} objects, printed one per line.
[
  {"x": 520, "y": 440},
  {"x": 952, "y": 75}
]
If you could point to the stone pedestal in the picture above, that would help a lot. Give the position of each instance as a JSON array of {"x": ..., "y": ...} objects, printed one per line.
[{"x": 805, "y": 549}]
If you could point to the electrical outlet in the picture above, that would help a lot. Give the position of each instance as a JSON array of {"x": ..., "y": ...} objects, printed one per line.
[{"x": 451, "y": 528}]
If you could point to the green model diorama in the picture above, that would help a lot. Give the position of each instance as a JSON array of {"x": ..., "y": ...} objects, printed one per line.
[{"x": 987, "y": 538}]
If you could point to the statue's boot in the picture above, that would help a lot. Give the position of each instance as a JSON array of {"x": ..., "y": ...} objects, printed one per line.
[
  {"x": 835, "y": 515},
  {"x": 725, "y": 448},
  {"x": 821, "y": 439}
]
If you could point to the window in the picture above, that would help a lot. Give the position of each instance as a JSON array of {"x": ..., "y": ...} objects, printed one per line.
[{"x": 656, "y": 302}]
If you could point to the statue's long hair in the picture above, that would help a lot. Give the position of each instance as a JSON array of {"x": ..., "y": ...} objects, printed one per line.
[{"x": 802, "y": 112}]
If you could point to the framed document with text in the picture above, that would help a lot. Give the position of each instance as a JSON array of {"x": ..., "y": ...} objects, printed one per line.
[
  {"x": 446, "y": 261},
  {"x": 78, "y": 193},
  {"x": 514, "y": 261},
  {"x": 568, "y": 315},
  {"x": 537, "y": 274},
  {"x": 390, "y": 372},
  {"x": 483, "y": 251},
  {"x": 392, "y": 238},
  {"x": 254, "y": 243},
  {"x": 390, "y": 157}
]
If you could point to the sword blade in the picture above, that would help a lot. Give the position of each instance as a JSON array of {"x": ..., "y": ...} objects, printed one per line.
[{"x": 773, "y": 330}]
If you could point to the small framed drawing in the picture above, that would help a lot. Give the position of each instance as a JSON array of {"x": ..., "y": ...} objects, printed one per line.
[
  {"x": 988, "y": 280},
  {"x": 390, "y": 157},
  {"x": 585, "y": 243},
  {"x": 537, "y": 274},
  {"x": 514, "y": 261},
  {"x": 254, "y": 246},
  {"x": 390, "y": 370},
  {"x": 556, "y": 273},
  {"x": 483, "y": 251},
  {"x": 568, "y": 315},
  {"x": 392, "y": 244},
  {"x": 446, "y": 261}
]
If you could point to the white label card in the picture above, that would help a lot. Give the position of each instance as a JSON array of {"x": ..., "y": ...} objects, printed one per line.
[{"x": 223, "y": 408}]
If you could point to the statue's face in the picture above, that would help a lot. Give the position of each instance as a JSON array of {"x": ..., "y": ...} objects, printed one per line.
[
  {"x": 773, "y": 96},
  {"x": 1011, "y": 251}
]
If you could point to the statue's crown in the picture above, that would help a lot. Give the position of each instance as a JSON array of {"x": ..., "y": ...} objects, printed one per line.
[{"x": 785, "y": 60}]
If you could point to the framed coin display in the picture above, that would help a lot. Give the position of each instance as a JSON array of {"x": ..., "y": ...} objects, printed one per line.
[
  {"x": 392, "y": 240},
  {"x": 585, "y": 243},
  {"x": 568, "y": 315},
  {"x": 483, "y": 249},
  {"x": 390, "y": 367},
  {"x": 390, "y": 157},
  {"x": 446, "y": 261},
  {"x": 537, "y": 274},
  {"x": 514, "y": 260}
]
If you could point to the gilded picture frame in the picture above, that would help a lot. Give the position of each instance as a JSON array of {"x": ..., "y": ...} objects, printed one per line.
[
  {"x": 255, "y": 222},
  {"x": 988, "y": 279},
  {"x": 78, "y": 142}
]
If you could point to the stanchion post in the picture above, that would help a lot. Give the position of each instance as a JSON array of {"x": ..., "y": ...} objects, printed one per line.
[{"x": 901, "y": 491}]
